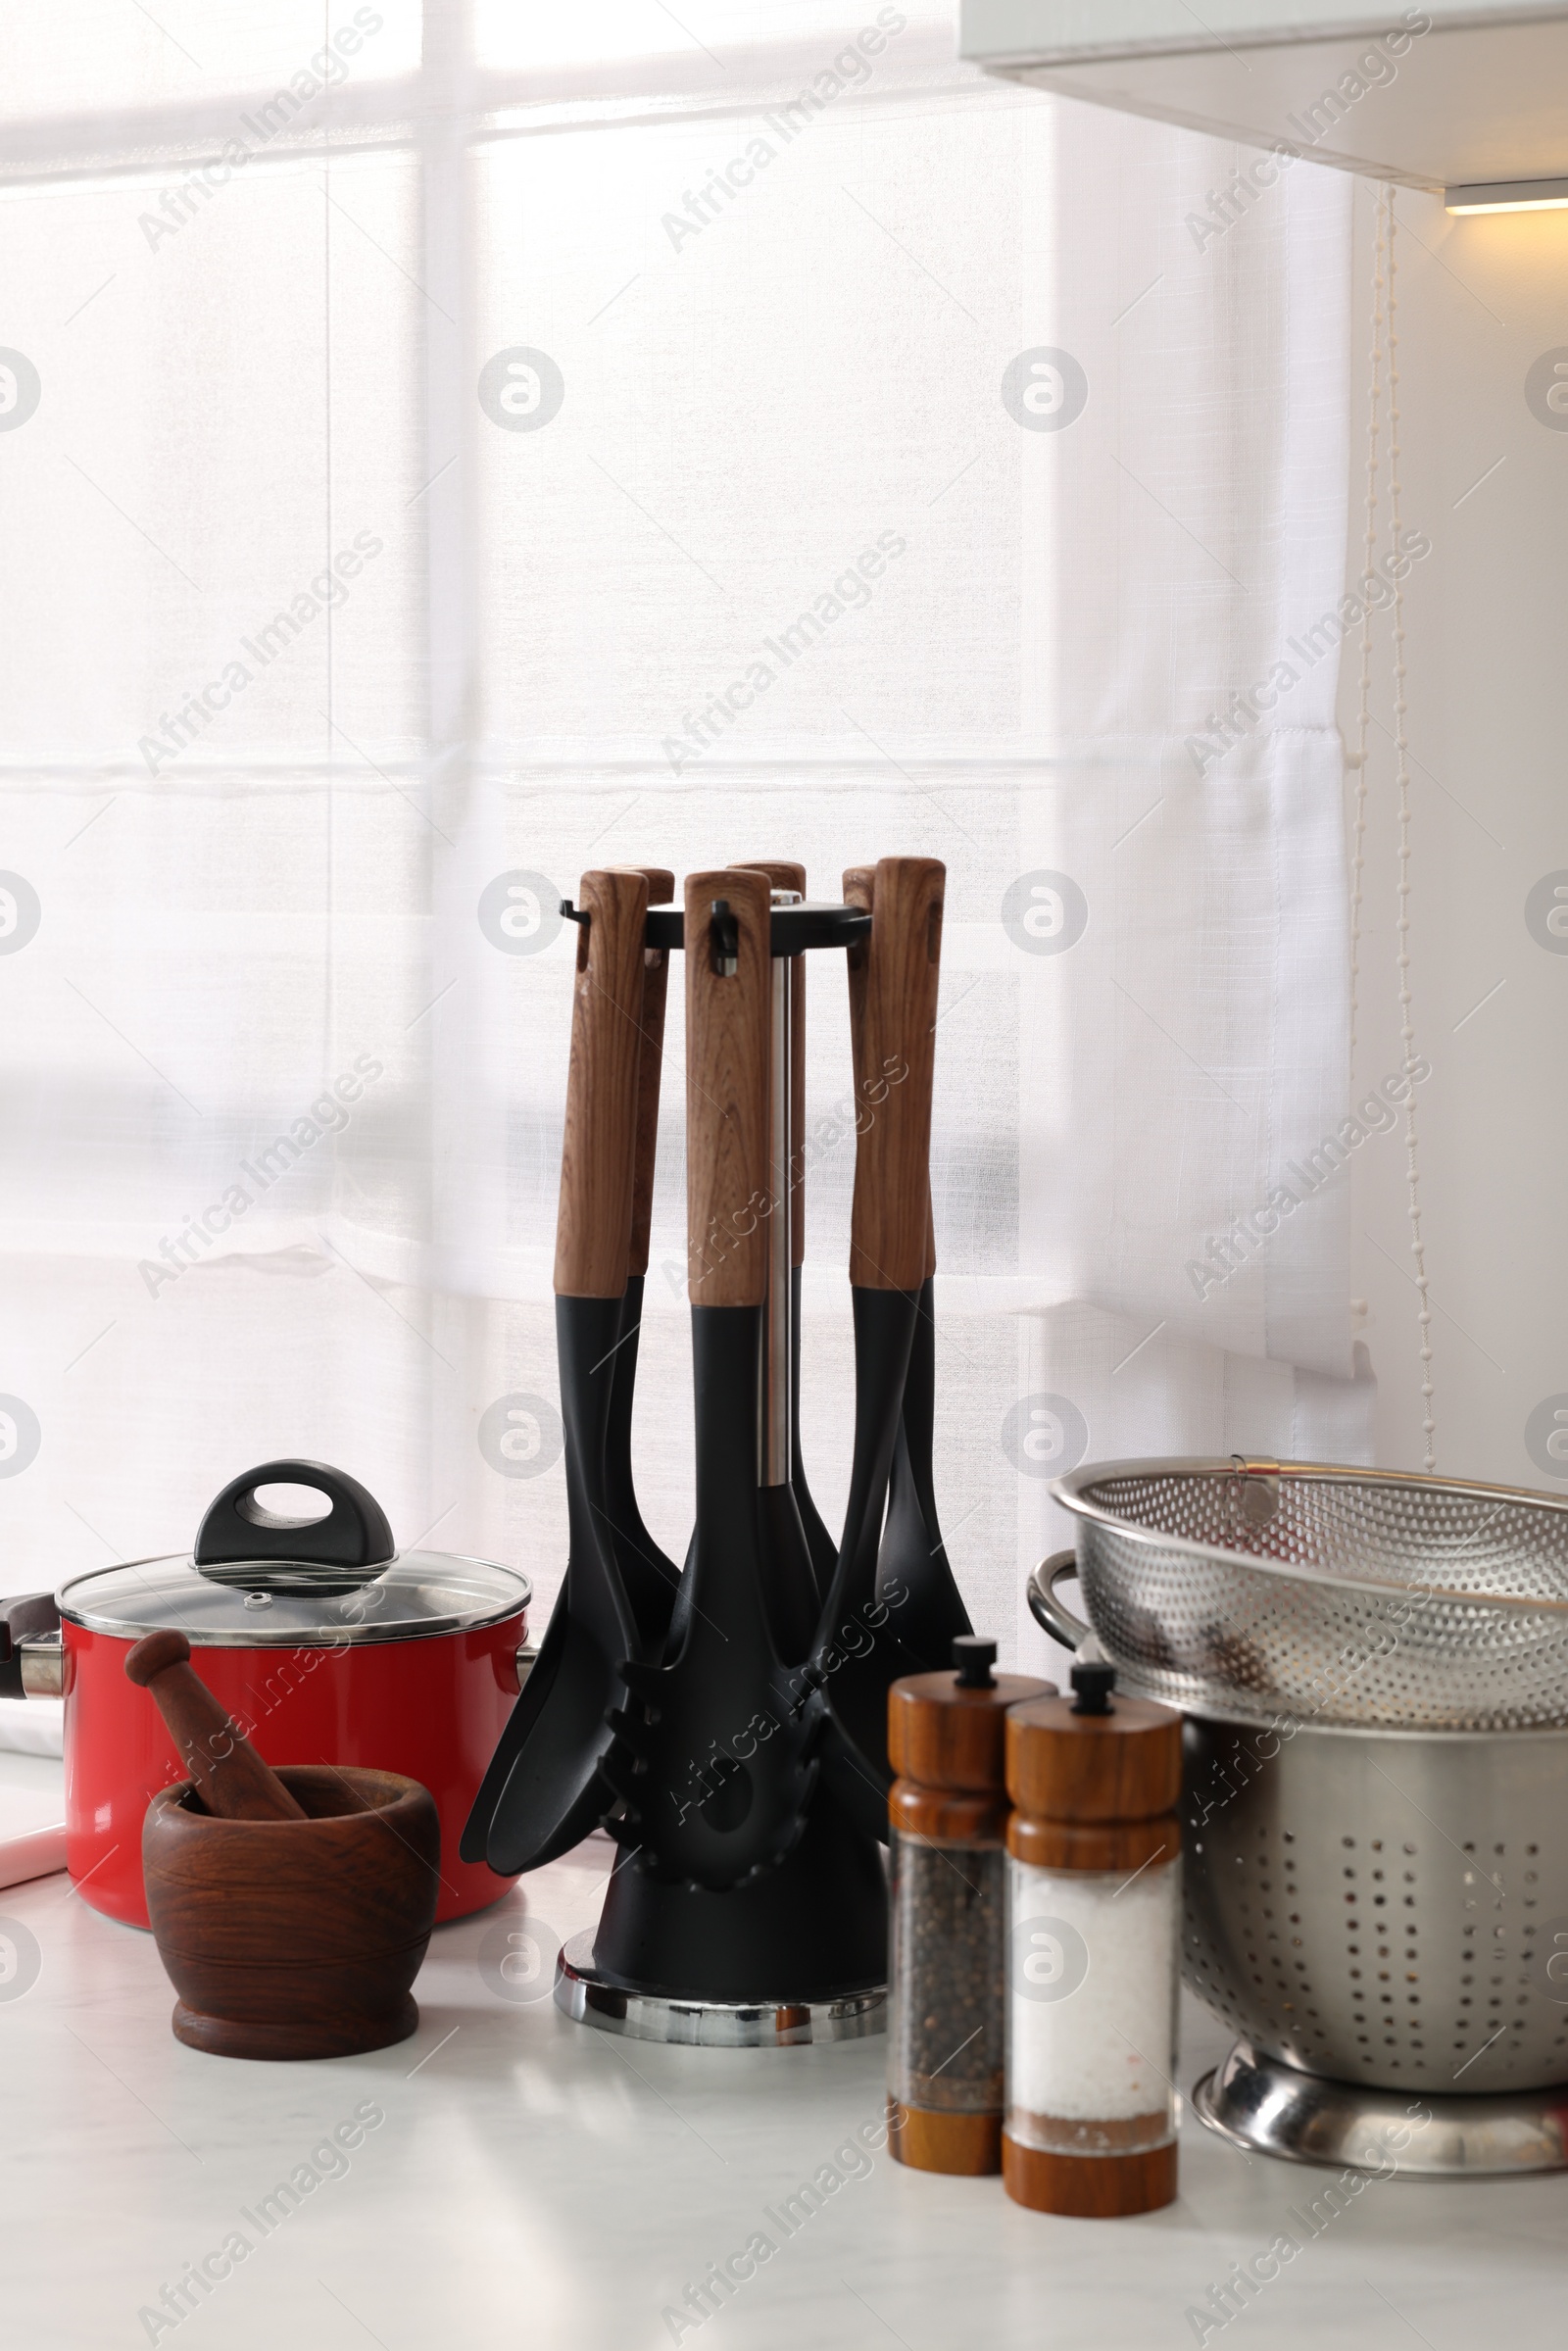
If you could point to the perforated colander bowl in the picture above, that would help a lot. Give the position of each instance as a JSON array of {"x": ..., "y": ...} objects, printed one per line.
[
  {"x": 1252, "y": 1590},
  {"x": 1387, "y": 1908}
]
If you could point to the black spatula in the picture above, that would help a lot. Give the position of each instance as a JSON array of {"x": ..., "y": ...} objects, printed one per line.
[
  {"x": 913, "y": 1558},
  {"x": 877, "y": 1623}
]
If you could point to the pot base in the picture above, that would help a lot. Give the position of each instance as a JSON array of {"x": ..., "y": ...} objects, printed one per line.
[
  {"x": 1268, "y": 2108},
  {"x": 590, "y": 1996},
  {"x": 310, "y": 2036}
]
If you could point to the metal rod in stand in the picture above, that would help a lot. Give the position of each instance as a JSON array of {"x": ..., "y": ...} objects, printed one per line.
[{"x": 775, "y": 1432}]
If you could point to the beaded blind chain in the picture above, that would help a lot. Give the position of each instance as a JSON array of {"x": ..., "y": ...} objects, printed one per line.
[
  {"x": 1358, "y": 757},
  {"x": 1385, "y": 352},
  {"x": 1401, "y": 755}
]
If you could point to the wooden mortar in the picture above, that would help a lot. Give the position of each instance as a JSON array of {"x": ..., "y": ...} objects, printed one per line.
[{"x": 290, "y": 1939}]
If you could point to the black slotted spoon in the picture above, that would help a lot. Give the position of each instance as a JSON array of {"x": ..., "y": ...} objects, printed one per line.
[{"x": 712, "y": 1758}]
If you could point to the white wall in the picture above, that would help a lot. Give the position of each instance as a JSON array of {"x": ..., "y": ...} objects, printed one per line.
[{"x": 1479, "y": 302}]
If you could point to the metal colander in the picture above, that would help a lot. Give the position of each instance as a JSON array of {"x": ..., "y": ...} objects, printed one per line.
[
  {"x": 1327, "y": 1595},
  {"x": 1382, "y": 1906}
]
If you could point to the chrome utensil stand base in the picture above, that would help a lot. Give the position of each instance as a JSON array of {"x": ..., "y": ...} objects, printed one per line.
[
  {"x": 588, "y": 1997},
  {"x": 1266, "y": 2108}
]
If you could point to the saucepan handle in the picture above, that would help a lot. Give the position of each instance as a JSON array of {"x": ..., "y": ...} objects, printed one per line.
[
  {"x": 354, "y": 1533},
  {"x": 29, "y": 1634},
  {"x": 1044, "y": 1605}
]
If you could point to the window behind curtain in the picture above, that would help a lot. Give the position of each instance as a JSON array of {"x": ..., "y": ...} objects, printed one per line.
[{"x": 472, "y": 445}]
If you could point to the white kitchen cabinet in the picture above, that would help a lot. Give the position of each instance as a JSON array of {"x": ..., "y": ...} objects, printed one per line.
[{"x": 1444, "y": 95}]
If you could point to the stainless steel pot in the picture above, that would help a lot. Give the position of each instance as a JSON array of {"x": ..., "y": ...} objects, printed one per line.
[{"x": 1385, "y": 1906}]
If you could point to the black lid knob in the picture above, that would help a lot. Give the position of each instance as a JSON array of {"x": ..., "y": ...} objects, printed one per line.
[{"x": 974, "y": 1659}]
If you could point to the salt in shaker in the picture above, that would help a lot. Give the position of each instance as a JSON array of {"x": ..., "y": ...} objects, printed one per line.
[{"x": 1095, "y": 1877}]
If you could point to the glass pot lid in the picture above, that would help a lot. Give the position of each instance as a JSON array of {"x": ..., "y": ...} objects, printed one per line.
[{"x": 257, "y": 1580}]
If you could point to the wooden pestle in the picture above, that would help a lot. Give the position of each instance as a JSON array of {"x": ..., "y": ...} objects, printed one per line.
[{"x": 230, "y": 1777}]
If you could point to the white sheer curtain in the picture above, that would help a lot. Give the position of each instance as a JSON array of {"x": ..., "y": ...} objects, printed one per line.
[{"x": 334, "y": 629}]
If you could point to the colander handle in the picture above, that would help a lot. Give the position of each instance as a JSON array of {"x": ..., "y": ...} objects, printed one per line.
[{"x": 1044, "y": 1605}]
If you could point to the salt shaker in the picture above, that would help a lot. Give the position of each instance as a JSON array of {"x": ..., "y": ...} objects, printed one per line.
[
  {"x": 947, "y": 1972},
  {"x": 1094, "y": 1885}
]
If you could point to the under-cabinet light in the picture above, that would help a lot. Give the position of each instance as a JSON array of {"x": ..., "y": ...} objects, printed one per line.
[{"x": 1509, "y": 196}]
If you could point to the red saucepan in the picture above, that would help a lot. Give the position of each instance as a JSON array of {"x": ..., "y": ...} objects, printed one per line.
[{"x": 325, "y": 1644}]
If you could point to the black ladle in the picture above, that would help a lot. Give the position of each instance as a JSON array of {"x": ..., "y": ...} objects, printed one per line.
[
  {"x": 649, "y": 1575},
  {"x": 544, "y": 1792}
]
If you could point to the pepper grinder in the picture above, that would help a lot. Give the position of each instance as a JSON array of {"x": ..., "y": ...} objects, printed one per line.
[
  {"x": 948, "y": 1814},
  {"x": 1093, "y": 1885}
]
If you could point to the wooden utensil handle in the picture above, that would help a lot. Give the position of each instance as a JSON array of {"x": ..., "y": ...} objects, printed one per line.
[
  {"x": 729, "y": 1198},
  {"x": 860, "y": 889},
  {"x": 650, "y": 1070},
  {"x": 232, "y": 1779},
  {"x": 783, "y": 873},
  {"x": 893, "y": 1011},
  {"x": 593, "y": 1228}
]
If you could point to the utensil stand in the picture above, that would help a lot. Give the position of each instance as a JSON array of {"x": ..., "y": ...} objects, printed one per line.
[
  {"x": 738, "y": 1756},
  {"x": 746, "y": 1907}
]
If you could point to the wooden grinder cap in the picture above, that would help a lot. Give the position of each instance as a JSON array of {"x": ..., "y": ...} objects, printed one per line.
[
  {"x": 1092, "y": 1787},
  {"x": 946, "y": 1743}
]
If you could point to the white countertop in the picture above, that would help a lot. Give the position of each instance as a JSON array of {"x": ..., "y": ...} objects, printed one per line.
[{"x": 537, "y": 2184}]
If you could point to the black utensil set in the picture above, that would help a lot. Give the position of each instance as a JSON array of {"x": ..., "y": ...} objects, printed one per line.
[{"x": 726, "y": 1724}]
